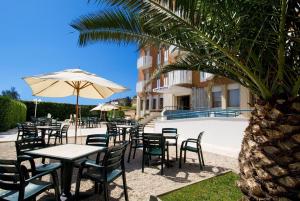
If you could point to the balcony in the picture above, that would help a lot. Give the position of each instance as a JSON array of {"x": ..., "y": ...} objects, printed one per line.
[
  {"x": 177, "y": 77},
  {"x": 144, "y": 62},
  {"x": 140, "y": 86}
]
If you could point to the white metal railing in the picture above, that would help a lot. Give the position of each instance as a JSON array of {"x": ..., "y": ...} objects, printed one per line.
[
  {"x": 140, "y": 86},
  {"x": 144, "y": 62},
  {"x": 178, "y": 77}
]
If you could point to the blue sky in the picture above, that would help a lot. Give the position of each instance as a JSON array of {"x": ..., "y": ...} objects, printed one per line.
[{"x": 36, "y": 38}]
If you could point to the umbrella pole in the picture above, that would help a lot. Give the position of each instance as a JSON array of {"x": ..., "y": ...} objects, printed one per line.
[{"x": 76, "y": 122}]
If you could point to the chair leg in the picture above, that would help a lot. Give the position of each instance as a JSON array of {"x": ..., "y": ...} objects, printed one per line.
[
  {"x": 129, "y": 154},
  {"x": 202, "y": 157},
  {"x": 56, "y": 187},
  {"x": 143, "y": 162},
  {"x": 180, "y": 157},
  {"x": 184, "y": 160},
  {"x": 66, "y": 138},
  {"x": 125, "y": 186},
  {"x": 106, "y": 192},
  {"x": 176, "y": 151},
  {"x": 134, "y": 152},
  {"x": 200, "y": 161},
  {"x": 162, "y": 164}
]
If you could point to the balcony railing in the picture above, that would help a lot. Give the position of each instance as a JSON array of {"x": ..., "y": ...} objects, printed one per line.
[
  {"x": 178, "y": 77},
  {"x": 144, "y": 62},
  {"x": 140, "y": 86}
]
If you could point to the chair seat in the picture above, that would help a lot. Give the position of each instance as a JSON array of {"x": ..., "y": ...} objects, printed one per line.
[
  {"x": 47, "y": 167},
  {"x": 94, "y": 174},
  {"x": 154, "y": 151},
  {"x": 33, "y": 188},
  {"x": 189, "y": 148}
]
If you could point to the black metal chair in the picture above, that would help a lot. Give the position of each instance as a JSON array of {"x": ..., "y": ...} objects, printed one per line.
[
  {"x": 186, "y": 146},
  {"x": 28, "y": 144},
  {"x": 55, "y": 133},
  {"x": 111, "y": 167},
  {"x": 64, "y": 133},
  {"x": 29, "y": 131},
  {"x": 17, "y": 185},
  {"x": 113, "y": 132},
  {"x": 136, "y": 141},
  {"x": 20, "y": 131},
  {"x": 154, "y": 145},
  {"x": 172, "y": 138}
]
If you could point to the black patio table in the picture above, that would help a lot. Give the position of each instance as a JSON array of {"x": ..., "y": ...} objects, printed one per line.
[{"x": 67, "y": 154}]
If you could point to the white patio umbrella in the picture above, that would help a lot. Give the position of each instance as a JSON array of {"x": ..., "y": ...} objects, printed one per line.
[
  {"x": 72, "y": 82},
  {"x": 105, "y": 107}
]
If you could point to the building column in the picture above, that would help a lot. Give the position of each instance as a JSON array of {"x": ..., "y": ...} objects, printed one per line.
[
  {"x": 224, "y": 96},
  {"x": 144, "y": 105},
  {"x": 244, "y": 97},
  {"x": 150, "y": 102},
  {"x": 138, "y": 107},
  {"x": 209, "y": 97}
]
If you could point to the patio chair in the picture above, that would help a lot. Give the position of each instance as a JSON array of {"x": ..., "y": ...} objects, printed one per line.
[
  {"x": 64, "y": 133},
  {"x": 28, "y": 144},
  {"x": 111, "y": 167},
  {"x": 113, "y": 132},
  {"x": 29, "y": 131},
  {"x": 172, "y": 138},
  {"x": 136, "y": 141},
  {"x": 20, "y": 131},
  {"x": 186, "y": 146},
  {"x": 17, "y": 185},
  {"x": 154, "y": 145},
  {"x": 55, "y": 133}
]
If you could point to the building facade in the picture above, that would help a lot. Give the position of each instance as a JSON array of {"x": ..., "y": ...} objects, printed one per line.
[{"x": 182, "y": 89}]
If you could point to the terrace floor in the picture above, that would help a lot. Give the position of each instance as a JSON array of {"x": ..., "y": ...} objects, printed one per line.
[{"x": 142, "y": 185}]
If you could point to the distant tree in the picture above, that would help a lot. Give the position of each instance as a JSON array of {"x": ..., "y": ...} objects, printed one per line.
[{"x": 11, "y": 93}]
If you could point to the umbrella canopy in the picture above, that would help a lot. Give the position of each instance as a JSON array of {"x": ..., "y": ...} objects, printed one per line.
[
  {"x": 105, "y": 107},
  {"x": 72, "y": 82}
]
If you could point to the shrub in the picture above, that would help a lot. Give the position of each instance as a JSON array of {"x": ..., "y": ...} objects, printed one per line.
[
  {"x": 115, "y": 114},
  {"x": 11, "y": 113},
  {"x": 60, "y": 111}
]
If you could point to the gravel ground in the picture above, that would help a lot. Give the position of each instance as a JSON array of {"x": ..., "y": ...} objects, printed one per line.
[{"x": 142, "y": 185}]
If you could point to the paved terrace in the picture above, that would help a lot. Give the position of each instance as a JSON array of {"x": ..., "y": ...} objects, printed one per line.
[{"x": 141, "y": 185}]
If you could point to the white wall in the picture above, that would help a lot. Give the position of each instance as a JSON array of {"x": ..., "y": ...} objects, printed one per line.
[{"x": 221, "y": 135}]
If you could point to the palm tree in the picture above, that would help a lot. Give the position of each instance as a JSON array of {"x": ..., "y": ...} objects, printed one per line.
[{"x": 255, "y": 43}]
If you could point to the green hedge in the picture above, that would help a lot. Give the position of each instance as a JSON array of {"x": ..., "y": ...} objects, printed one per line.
[
  {"x": 117, "y": 114},
  {"x": 11, "y": 113},
  {"x": 60, "y": 111}
]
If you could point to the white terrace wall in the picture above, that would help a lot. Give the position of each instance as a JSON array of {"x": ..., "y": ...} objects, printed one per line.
[{"x": 221, "y": 135}]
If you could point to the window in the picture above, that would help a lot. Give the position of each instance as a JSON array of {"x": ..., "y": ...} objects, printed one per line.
[
  {"x": 161, "y": 103},
  {"x": 216, "y": 99},
  {"x": 158, "y": 57},
  {"x": 147, "y": 75},
  {"x": 154, "y": 103},
  {"x": 166, "y": 56},
  {"x": 202, "y": 76},
  {"x": 158, "y": 83},
  {"x": 147, "y": 104},
  {"x": 233, "y": 98}
]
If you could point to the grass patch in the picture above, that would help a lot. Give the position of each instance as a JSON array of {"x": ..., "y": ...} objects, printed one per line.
[{"x": 218, "y": 188}]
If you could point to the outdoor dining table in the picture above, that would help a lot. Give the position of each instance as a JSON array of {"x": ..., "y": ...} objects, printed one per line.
[
  {"x": 124, "y": 128},
  {"x": 67, "y": 154}
]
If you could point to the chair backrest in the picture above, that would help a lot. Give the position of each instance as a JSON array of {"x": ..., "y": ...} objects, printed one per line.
[
  {"x": 200, "y": 137},
  {"x": 114, "y": 158},
  {"x": 169, "y": 131},
  {"x": 65, "y": 129},
  {"x": 11, "y": 176},
  {"x": 112, "y": 128},
  {"x": 29, "y": 131},
  {"x": 28, "y": 144},
  {"x": 97, "y": 140},
  {"x": 153, "y": 140},
  {"x": 56, "y": 126},
  {"x": 141, "y": 128}
]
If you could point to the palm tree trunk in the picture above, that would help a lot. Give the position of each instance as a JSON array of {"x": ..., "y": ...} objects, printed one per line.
[{"x": 270, "y": 155}]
